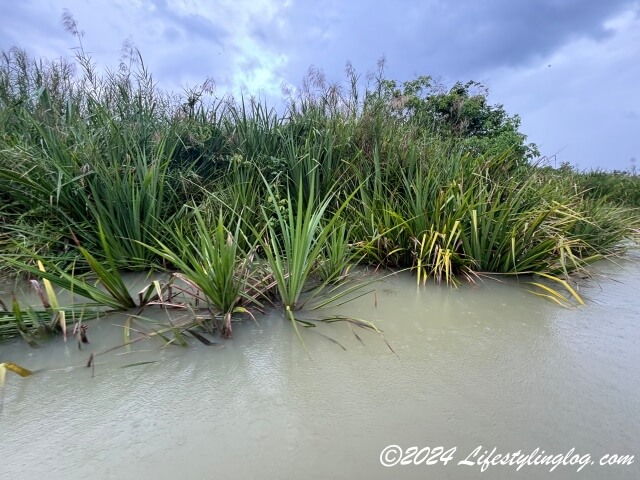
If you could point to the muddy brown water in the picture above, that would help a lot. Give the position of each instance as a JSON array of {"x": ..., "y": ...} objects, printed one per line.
[{"x": 481, "y": 371}]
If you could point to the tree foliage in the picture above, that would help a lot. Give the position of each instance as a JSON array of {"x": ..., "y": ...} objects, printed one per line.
[{"x": 463, "y": 112}]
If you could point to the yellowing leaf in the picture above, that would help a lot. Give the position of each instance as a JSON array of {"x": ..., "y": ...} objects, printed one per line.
[
  {"x": 15, "y": 368},
  {"x": 51, "y": 294}
]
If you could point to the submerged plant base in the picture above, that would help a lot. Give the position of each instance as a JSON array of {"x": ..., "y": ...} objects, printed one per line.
[{"x": 10, "y": 367}]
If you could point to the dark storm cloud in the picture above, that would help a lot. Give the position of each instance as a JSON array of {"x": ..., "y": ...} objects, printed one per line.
[
  {"x": 508, "y": 33},
  {"x": 178, "y": 47},
  {"x": 188, "y": 50},
  {"x": 453, "y": 39}
]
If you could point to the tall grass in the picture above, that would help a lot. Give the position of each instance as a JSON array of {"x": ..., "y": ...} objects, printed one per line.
[
  {"x": 99, "y": 173},
  {"x": 99, "y": 158}
]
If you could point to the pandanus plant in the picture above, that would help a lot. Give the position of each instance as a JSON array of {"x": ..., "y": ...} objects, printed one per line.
[
  {"x": 211, "y": 260},
  {"x": 294, "y": 242}
]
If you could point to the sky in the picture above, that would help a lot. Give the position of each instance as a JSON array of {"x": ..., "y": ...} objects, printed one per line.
[{"x": 569, "y": 68}]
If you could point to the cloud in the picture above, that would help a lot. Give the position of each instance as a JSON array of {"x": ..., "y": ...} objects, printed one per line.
[
  {"x": 182, "y": 42},
  {"x": 26, "y": 24},
  {"x": 278, "y": 41},
  {"x": 451, "y": 39},
  {"x": 582, "y": 106},
  {"x": 253, "y": 46}
]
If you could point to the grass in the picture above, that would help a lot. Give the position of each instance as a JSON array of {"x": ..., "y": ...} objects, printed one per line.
[
  {"x": 101, "y": 174},
  {"x": 212, "y": 261}
]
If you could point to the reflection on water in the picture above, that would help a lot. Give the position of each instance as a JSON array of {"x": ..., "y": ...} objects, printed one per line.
[{"x": 487, "y": 364}]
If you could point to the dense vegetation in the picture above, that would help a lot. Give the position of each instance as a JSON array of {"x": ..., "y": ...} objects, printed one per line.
[
  {"x": 104, "y": 173},
  {"x": 619, "y": 187}
]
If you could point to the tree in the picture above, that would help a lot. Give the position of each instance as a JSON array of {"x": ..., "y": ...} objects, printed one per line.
[{"x": 463, "y": 112}]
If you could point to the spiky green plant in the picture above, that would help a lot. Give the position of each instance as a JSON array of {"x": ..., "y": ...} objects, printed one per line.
[
  {"x": 293, "y": 244},
  {"x": 337, "y": 253},
  {"x": 106, "y": 274},
  {"x": 210, "y": 258}
]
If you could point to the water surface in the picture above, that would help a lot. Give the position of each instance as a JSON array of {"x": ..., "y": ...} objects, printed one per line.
[{"x": 486, "y": 365}]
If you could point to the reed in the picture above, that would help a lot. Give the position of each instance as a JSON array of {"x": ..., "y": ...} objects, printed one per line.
[{"x": 104, "y": 173}]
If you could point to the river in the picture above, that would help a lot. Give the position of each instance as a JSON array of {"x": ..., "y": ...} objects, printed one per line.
[{"x": 483, "y": 370}]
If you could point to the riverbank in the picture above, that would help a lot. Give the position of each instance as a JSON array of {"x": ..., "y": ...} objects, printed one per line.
[{"x": 249, "y": 207}]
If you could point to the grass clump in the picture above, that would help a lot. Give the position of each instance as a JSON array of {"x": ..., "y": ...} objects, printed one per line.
[
  {"x": 211, "y": 261},
  {"x": 104, "y": 173}
]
